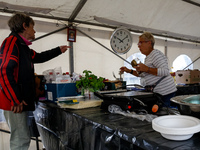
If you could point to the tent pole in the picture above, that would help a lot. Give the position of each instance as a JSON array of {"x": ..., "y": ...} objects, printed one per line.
[
  {"x": 191, "y": 63},
  {"x": 50, "y": 33},
  {"x": 70, "y": 24},
  {"x": 71, "y": 58}
]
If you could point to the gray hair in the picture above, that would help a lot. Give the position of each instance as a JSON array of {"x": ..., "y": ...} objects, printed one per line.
[
  {"x": 16, "y": 22},
  {"x": 147, "y": 36}
]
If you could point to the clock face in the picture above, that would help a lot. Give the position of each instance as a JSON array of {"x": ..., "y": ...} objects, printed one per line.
[{"x": 121, "y": 41}]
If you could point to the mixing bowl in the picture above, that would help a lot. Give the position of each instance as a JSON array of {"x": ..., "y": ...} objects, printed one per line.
[{"x": 188, "y": 104}]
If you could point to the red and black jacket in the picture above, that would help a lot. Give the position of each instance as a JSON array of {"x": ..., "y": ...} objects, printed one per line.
[{"x": 17, "y": 81}]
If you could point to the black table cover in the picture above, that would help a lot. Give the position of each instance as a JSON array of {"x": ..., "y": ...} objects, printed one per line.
[{"x": 95, "y": 129}]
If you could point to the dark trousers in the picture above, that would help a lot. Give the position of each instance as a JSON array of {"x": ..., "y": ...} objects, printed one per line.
[{"x": 166, "y": 99}]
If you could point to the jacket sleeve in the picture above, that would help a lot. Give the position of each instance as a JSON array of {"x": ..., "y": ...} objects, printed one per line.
[
  {"x": 45, "y": 56},
  {"x": 9, "y": 70}
]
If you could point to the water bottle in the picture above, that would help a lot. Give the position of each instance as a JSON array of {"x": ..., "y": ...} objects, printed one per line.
[{"x": 66, "y": 78}]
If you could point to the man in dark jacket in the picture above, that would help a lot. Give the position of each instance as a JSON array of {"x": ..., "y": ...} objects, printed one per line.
[{"x": 17, "y": 82}]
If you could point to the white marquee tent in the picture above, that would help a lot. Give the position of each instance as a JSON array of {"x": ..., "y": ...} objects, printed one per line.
[{"x": 175, "y": 24}]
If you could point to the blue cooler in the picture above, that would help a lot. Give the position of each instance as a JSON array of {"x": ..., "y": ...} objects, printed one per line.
[{"x": 56, "y": 90}]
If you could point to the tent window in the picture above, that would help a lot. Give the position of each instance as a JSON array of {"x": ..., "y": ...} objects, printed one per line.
[
  {"x": 130, "y": 79},
  {"x": 181, "y": 62}
]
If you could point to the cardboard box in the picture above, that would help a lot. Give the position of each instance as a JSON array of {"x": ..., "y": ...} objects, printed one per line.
[
  {"x": 187, "y": 76},
  {"x": 55, "y": 90}
]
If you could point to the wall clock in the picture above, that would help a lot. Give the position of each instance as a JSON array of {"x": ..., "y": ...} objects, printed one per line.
[{"x": 121, "y": 40}]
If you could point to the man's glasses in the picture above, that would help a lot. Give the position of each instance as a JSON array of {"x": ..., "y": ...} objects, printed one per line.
[{"x": 140, "y": 43}]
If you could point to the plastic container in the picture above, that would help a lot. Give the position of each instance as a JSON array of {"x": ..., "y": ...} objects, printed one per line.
[
  {"x": 59, "y": 78},
  {"x": 50, "y": 77},
  {"x": 56, "y": 90},
  {"x": 66, "y": 78}
]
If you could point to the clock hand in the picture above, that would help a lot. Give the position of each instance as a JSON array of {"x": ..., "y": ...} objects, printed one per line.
[
  {"x": 120, "y": 41},
  {"x": 124, "y": 38}
]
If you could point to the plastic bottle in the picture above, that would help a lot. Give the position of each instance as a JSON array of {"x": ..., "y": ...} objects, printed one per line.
[
  {"x": 66, "y": 78},
  {"x": 59, "y": 78},
  {"x": 50, "y": 77},
  {"x": 75, "y": 77}
]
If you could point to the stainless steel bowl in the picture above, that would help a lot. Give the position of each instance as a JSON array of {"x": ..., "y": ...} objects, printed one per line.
[{"x": 188, "y": 104}]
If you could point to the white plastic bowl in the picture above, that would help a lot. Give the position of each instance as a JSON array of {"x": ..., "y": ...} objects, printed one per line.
[{"x": 176, "y": 127}]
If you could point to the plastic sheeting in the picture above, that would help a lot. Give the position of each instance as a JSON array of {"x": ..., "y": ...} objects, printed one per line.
[{"x": 95, "y": 129}]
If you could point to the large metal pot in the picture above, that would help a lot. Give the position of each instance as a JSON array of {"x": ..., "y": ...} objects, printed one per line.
[{"x": 188, "y": 104}]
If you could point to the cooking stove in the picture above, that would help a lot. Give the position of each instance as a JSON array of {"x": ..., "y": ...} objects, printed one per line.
[{"x": 128, "y": 100}]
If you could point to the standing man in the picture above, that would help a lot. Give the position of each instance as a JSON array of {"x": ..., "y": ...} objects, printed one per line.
[
  {"x": 17, "y": 81},
  {"x": 154, "y": 68}
]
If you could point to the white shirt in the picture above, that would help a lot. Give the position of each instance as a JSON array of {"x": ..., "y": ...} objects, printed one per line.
[{"x": 156, "y": 59}]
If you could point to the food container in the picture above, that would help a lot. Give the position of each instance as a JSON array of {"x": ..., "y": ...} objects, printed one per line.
[{"x": 56, "y": 90}]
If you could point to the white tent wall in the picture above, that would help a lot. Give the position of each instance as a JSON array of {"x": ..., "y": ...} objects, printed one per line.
[
  {"x": 49, "y": 42},
  {"x": 90, "y": 55},
  {"x": 191, "y": 50}
]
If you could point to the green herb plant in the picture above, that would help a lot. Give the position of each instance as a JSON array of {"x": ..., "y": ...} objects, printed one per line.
[{"x": 90, "y": 81}]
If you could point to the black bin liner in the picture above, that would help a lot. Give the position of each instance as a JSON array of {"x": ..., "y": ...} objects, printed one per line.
[
  {"x": 32, "y": 125},
  {"x": 95, "y": 129}
]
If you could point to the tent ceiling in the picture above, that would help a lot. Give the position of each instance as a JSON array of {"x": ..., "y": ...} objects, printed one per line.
[{"x": 168, "y": 18}]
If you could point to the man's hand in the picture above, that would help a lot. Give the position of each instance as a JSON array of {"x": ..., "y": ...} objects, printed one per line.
[{"x": 18, "y": 108}]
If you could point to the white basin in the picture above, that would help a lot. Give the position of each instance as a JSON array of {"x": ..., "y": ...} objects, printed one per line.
[{"x": 176, "y": 127}]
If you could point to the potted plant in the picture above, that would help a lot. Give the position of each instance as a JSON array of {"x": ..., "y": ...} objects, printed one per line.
[{"x": 89, "y": 82}]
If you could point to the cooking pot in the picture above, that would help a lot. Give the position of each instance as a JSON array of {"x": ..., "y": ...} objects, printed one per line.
[{"x": 188, "y": 104}]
